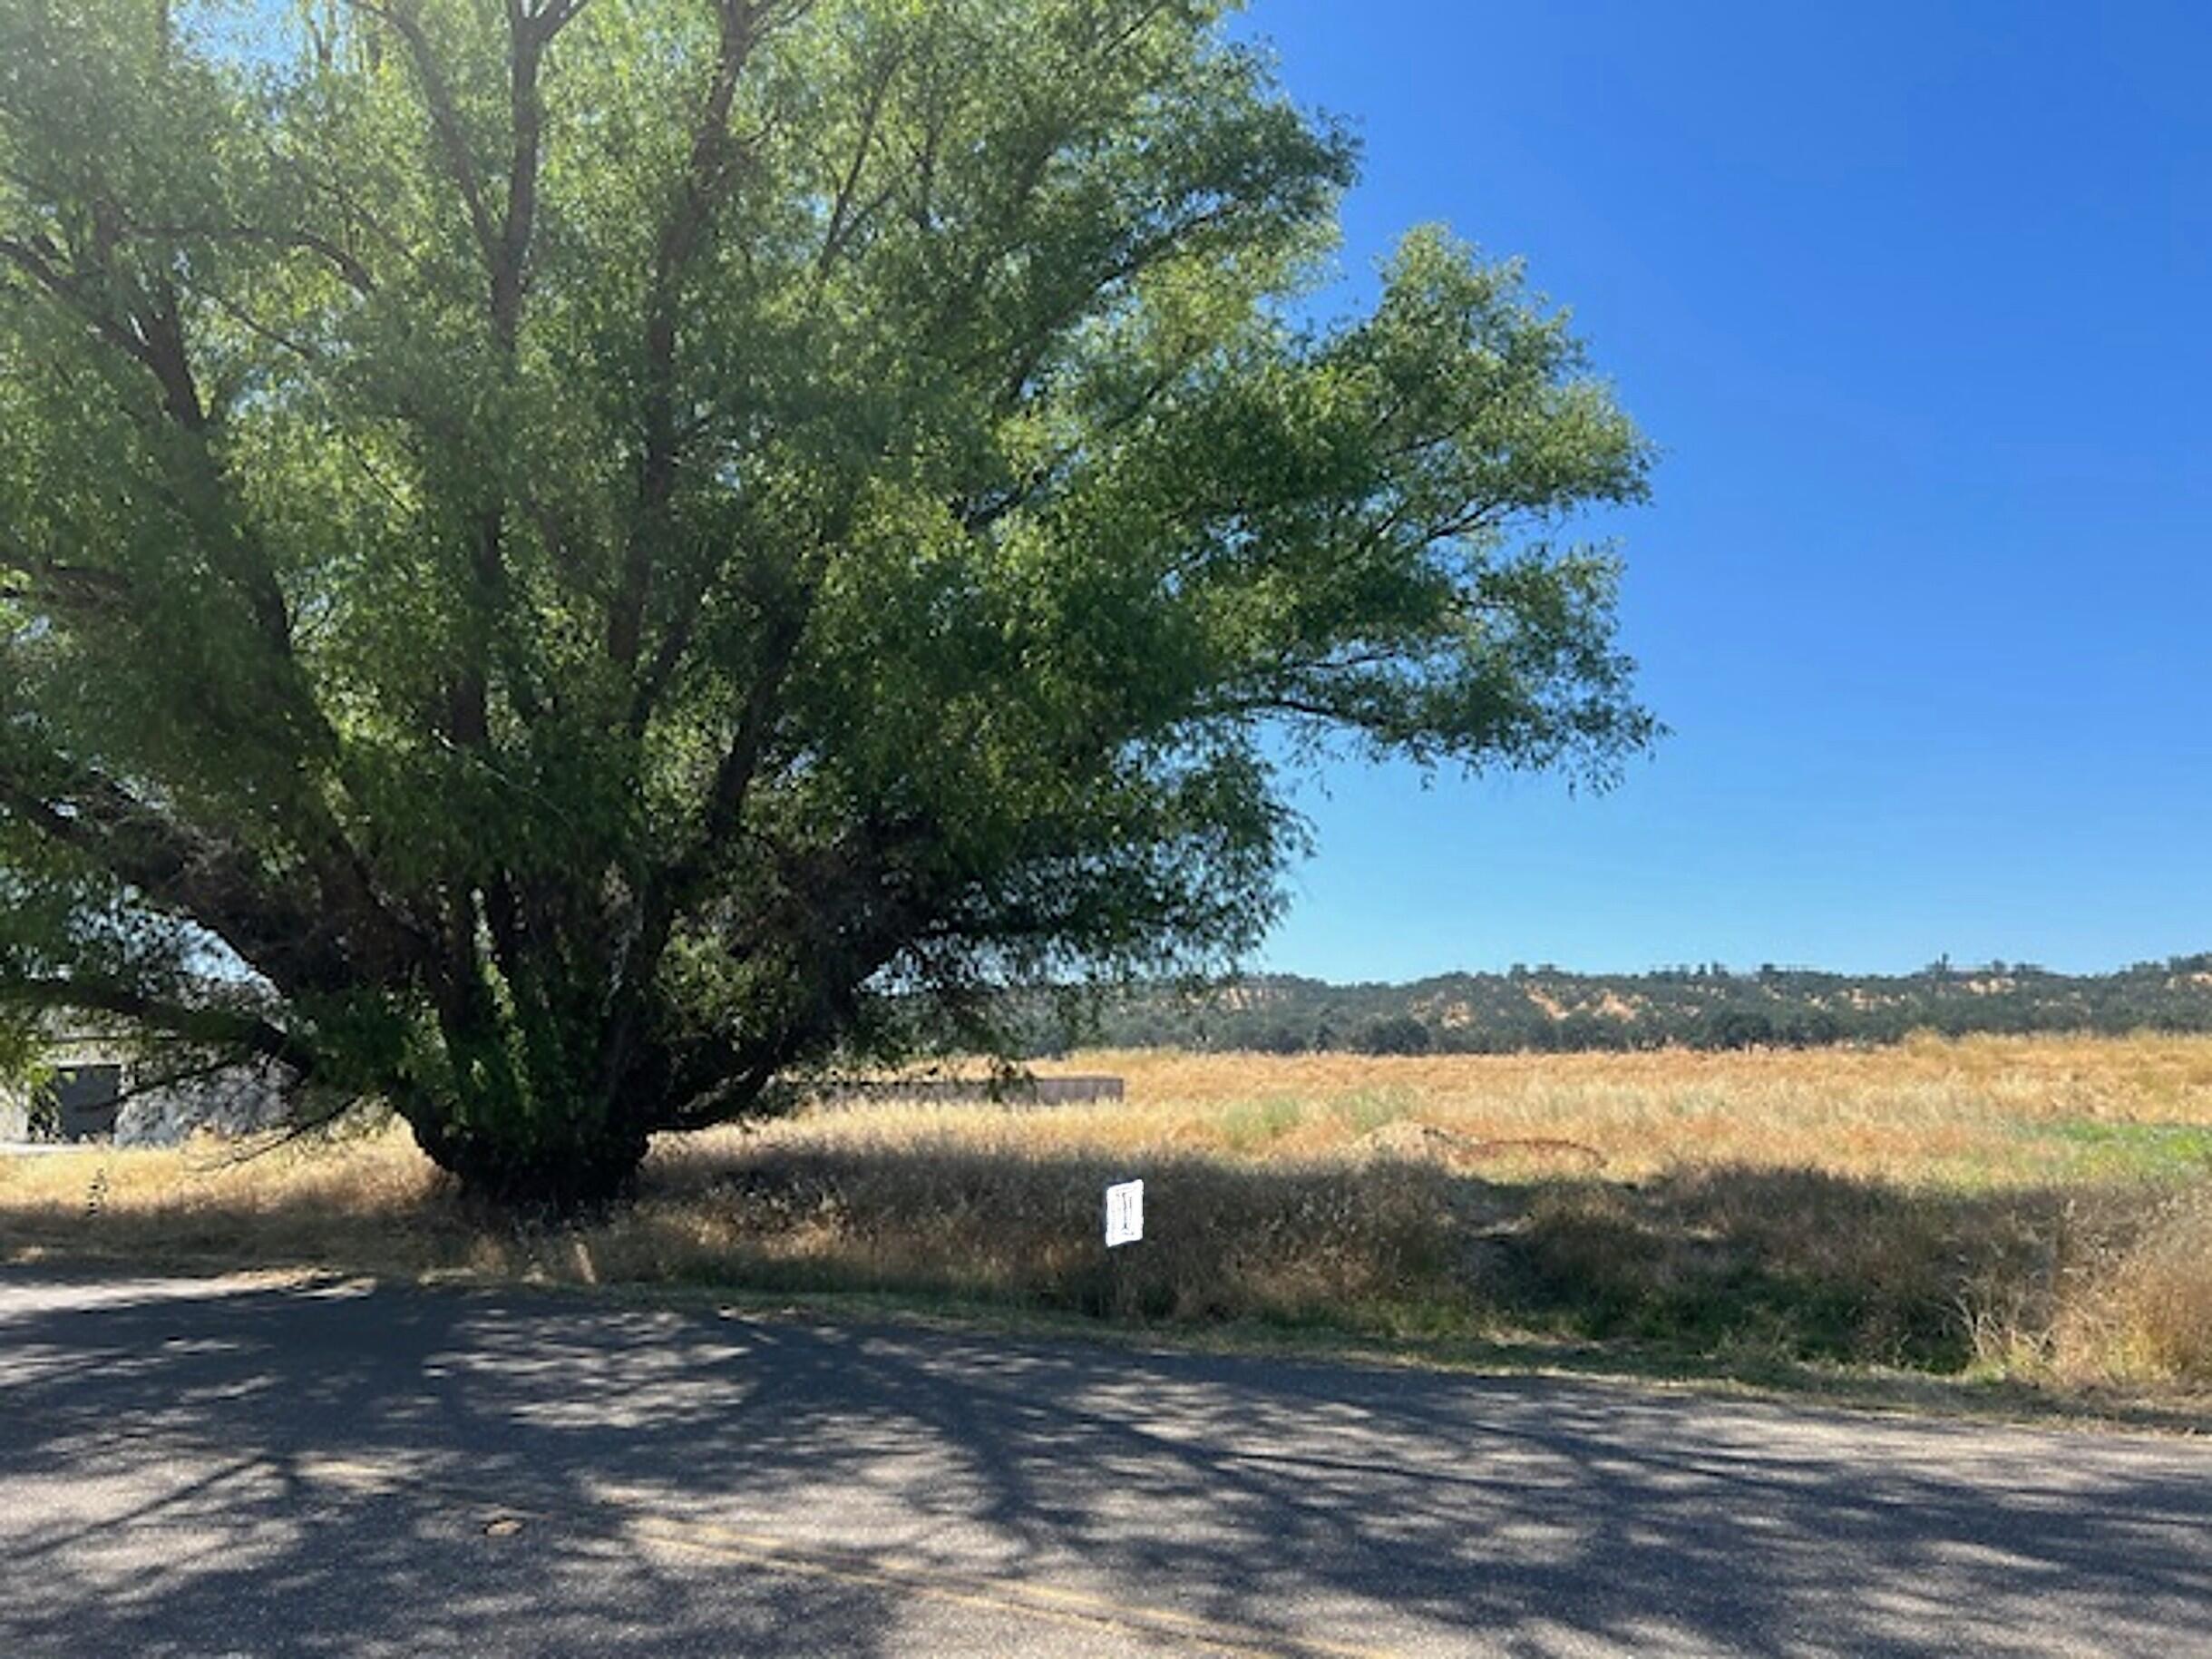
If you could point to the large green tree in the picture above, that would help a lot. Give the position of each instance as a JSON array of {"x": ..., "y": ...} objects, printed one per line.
[{"x": 566, "y": 559}]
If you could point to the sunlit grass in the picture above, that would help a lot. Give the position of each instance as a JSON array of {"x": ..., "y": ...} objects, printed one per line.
[{"x": 1977, "y": 1111}]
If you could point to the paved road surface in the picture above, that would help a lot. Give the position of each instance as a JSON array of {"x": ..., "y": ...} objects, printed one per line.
[{"x": 220, "y": 1467}]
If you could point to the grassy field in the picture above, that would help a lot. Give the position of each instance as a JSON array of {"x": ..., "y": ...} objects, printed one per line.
[{"x": 2036, "y": 1209}]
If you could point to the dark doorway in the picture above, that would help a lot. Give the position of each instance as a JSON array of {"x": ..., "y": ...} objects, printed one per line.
[{"x": 81, "y": 1101}]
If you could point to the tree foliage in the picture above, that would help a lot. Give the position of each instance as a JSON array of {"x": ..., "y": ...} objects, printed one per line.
[
  {"x": 1549, "y": 1010},
  {"x": 566, "y": 559}
]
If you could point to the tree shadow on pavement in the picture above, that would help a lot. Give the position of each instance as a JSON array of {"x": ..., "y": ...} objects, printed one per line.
[{"x": 265, "y": 1470}]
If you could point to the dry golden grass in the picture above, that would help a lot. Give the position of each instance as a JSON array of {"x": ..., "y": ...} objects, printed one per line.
[
  {"x": 2141, "y": 1308},
  {"x": 1977, "y": 1110},
  {"x": 2039, "y": 1208}
]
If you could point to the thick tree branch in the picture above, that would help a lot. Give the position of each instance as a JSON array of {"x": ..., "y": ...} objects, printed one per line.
[
  {"x": 848, "y": 925},
  {"x": 347, "y": 265},
  {"x": 529, "y": 33},
  {"x": 82, "y": 294},
  {"x": 449, "y": 134},
  {"x": 151, "y": 334},
  {"x": 710, "y": 174},
  {"x": 668, "y": 890},
  {"x": 321, "y": 937},
  {"x": 845, "y": 217},
  {"x": 217, "y": 1027}
]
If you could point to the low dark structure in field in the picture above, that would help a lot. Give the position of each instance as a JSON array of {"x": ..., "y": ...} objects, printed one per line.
[{"x": 964, "y": 1092}]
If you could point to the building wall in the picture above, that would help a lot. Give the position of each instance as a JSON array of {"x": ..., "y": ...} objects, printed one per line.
[{"x": 238, "y": 1100}]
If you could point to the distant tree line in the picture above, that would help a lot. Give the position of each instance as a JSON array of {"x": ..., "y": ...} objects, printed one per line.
[{"x": 1710, "y": 1006}]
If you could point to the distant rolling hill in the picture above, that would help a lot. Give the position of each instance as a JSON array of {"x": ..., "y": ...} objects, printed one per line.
[{"x": 1709, "y": 1007}]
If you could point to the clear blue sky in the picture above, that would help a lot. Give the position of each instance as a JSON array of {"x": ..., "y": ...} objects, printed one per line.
[{"x": 1916, "y": 299}]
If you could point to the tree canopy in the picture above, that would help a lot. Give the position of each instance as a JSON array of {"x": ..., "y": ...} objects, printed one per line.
[{"x": 566, "y": 560}]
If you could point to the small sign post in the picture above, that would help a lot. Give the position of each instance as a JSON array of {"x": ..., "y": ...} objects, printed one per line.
[{"x": 1125, "y": 1213}]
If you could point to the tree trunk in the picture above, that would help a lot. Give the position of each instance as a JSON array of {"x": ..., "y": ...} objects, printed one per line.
[{"x": 548, "y": 1169}]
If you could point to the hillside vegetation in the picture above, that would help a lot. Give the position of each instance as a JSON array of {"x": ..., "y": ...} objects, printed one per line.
[{"x": 1547, "y": 1010}]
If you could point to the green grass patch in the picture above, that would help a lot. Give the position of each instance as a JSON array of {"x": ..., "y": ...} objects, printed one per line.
[
  {"x": 2133, "y": 1150},
  {"x": 1370, "y": 1109},
  {"x": 1253, "y": 1125}
]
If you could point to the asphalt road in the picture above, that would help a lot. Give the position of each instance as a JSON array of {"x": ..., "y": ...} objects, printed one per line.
[{"x": 225, "y": 1468}]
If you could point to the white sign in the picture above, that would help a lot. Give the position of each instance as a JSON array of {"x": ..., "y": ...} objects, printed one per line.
[{"x": 1125, "y": 1215}]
